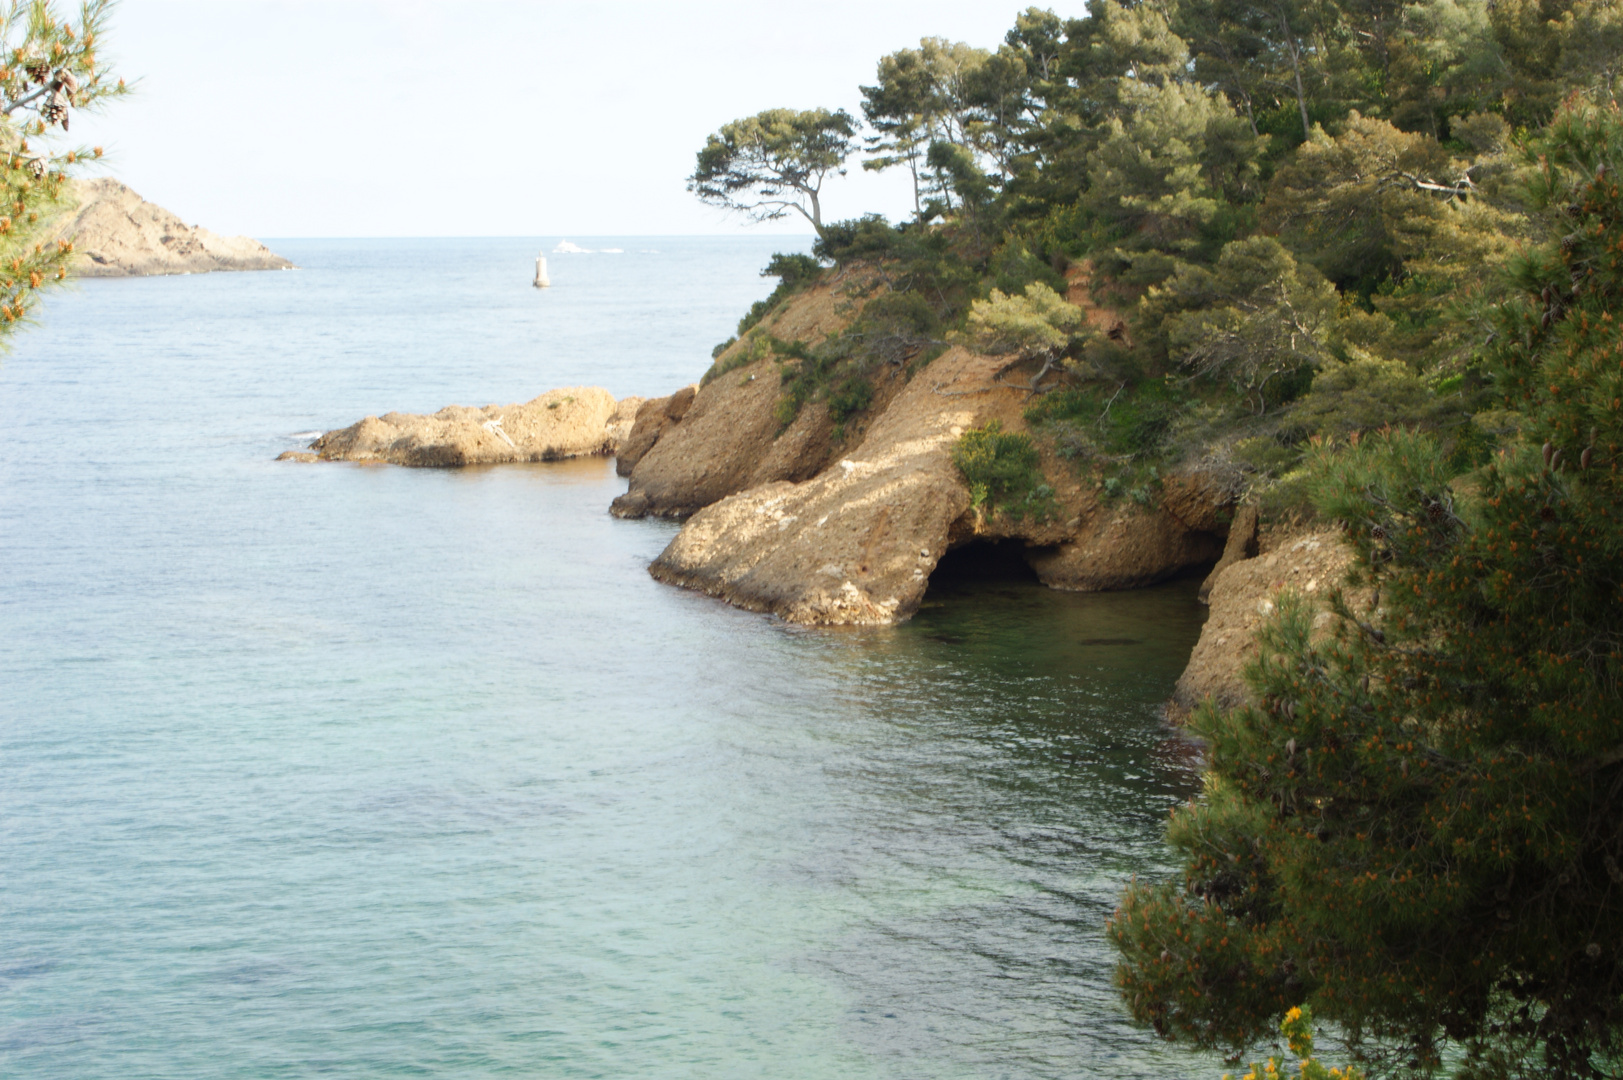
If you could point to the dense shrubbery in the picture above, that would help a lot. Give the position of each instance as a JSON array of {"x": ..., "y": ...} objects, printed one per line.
[{"x": 1288, "y": 216}]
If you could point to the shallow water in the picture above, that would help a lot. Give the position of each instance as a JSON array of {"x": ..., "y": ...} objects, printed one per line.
[{"x": 373, "y": 772}]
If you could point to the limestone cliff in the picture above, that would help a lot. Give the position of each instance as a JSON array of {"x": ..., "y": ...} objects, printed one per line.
[{"x": 116, "y": 233}]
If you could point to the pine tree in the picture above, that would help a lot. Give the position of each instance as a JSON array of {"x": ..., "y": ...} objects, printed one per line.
[
  {"x": 48, "y": 71},
  {"x": 766, "y": 165},
  {"x": 1419, "y": 829}
]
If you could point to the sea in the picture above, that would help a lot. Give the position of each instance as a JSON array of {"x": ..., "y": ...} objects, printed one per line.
[{"x": 362, "y": 771}]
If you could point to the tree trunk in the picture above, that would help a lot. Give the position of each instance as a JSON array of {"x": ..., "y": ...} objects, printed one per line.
[
  {"x": 1296, "y": 69},
  {"x": 913, "y": 167}
]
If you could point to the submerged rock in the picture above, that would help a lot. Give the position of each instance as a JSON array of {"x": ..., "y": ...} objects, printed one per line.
[
  {"x": 575, "y": 421},
  {"x": 116, "y": 233}
]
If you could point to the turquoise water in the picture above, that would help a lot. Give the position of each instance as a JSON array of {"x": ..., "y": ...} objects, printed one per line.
[{"x": 337, "y": 770}]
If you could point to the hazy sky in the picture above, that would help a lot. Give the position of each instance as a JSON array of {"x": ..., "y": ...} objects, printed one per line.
[{"x": 474, "y": 118}]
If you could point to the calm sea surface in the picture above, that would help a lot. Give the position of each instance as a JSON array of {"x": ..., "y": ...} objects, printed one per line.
[{"x": 336, "y": 770}]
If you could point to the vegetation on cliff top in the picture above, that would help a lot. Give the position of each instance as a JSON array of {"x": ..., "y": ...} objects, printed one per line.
[
  {"x": 1285, "y": 212},
  {"x": 1362, "y": 257}
]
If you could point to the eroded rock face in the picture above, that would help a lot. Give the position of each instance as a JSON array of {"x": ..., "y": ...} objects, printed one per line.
[
  {"x": 571, "y": 422},
  {"x": 856, "y": 544},
  {"x": 622, "y": 421},
  {"x": 727, "y": 436},
  {"x": 1243, "y": 594},
  {"x": 653, "y": 418},
  {"x": 1240, "y": 545},
  {"x": 116, "y": 233}
]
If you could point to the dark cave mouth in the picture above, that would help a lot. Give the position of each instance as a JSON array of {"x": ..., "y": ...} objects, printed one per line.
[{"x": 1001, "y": 562}]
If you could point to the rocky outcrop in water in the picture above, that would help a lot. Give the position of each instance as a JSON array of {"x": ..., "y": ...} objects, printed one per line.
[
  {"x": 116, "y": 233},
  {"x": 828, "y": 524},
  {"x": 576, "y": 421},
  {"x": 856, "y": 542}
]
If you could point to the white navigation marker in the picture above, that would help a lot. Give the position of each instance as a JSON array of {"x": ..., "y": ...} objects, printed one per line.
[{"x": 541, "y": 279}]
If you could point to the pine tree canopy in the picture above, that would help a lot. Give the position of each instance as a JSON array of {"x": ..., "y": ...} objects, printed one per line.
[{"x": 1420, "y": 828}]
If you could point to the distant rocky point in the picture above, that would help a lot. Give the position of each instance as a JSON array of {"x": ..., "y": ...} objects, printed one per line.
[{"x": 119, "y": 234}]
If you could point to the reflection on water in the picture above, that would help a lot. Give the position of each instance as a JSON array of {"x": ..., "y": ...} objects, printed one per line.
[{"x": 371, "y": 771}]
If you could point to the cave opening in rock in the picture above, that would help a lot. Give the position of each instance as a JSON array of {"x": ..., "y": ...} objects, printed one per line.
[{"x": 983, "y": 561}]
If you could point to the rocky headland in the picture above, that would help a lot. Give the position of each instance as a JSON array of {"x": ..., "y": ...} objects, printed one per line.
[
  {"x": 842, "y": 524},
  {"x": 116, "y": 233},
  {"x": 844, "y": 527},
  {"x": 825, "y": 527}
]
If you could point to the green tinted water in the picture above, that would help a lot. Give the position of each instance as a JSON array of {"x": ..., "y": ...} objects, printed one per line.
[{"x": 375, "y": 772}]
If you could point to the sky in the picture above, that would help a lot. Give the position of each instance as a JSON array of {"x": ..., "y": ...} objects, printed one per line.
[{"x": 351, "y": 118}]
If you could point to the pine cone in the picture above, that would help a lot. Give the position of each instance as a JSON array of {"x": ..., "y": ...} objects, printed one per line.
[
  {"x": 55, "y": 112},
  {"x": 69, "y": 82},
  {"x": 38, "y": 70},
  {"x": 37, "y": 167}
]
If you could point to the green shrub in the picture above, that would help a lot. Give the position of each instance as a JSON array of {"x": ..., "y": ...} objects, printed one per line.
[
  {"x": 756, "y": 347},
  {"x": 869, "y": 237},
  {"x": 850, "y": 397},
  {"x": 1136, "y": 419},
  {"x": 1003, "y": 472}
]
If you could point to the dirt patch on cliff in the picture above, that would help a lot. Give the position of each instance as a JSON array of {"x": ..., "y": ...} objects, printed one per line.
[{"x": 571, "y": 422}]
